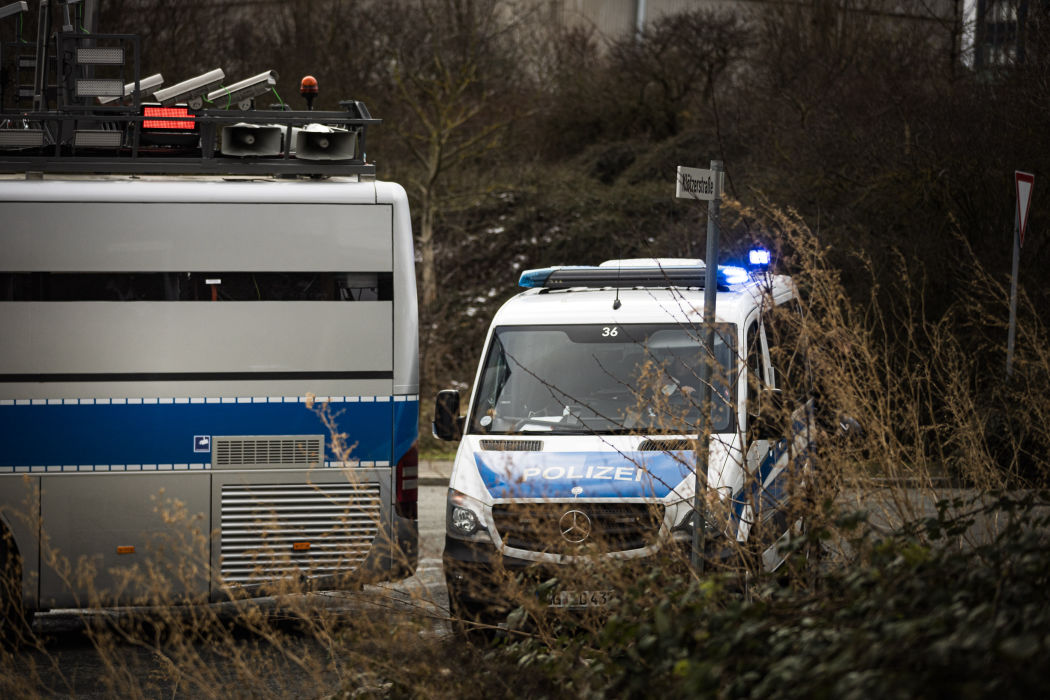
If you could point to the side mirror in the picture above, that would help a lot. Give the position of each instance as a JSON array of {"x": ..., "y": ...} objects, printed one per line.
[
  {"x": 447, "y": 423},
  {"x": 849, "y": 427}
]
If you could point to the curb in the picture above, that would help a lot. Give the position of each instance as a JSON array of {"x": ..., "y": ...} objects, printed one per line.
[{"x": 434, "y": 473}]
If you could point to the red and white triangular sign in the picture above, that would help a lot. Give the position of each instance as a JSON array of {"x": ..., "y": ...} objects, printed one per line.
[{"x": 1023, "y": 183}]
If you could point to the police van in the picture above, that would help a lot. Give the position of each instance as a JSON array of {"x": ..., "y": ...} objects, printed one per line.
[{"x": 580, "y": 435}]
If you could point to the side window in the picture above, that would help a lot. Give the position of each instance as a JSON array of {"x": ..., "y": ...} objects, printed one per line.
[
  {"x": 786, "y": 351},
  {"x": 756, "y": 375}
]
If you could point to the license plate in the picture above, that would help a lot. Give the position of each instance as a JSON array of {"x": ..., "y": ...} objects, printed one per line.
[{"x": 581, "y": 599}]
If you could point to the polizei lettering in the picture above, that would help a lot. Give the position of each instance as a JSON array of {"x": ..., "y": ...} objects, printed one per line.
[
  {"x": 554, "y": 473},
  {"x": 697, "y": 186}
]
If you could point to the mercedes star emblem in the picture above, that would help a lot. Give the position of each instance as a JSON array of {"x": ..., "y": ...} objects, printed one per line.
[{"x": 575, "y": 526}]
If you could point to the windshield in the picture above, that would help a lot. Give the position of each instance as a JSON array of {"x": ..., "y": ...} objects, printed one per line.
[{"x": 602, "y": 379}]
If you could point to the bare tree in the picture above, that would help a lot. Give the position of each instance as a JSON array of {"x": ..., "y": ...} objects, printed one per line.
[
  {"x": 453, "y": 69},
  {"x": 676, "y": 60}
]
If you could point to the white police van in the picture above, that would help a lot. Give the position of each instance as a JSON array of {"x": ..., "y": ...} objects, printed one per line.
[{"x": 582, "y": 426}]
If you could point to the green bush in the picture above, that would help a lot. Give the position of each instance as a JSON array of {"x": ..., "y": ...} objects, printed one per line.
[{"x": 910, "y": 615}]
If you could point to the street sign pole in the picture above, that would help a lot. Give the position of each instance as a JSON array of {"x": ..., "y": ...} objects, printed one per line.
[
  {"x": 694, "y": 183},
  {"x": 703, "y": 451},
  {"x": 1023, "y": 185},
  {"x": 1013, "y": 298}
]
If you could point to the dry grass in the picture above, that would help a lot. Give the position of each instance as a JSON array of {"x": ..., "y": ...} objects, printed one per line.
[{"x": 931, "y": 397}]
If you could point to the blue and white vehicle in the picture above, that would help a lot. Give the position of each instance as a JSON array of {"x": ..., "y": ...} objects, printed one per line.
[
  {"x": 581, "y": 430},
  {"x": 209, "y": 369},
  {"x": 149, "y": 354}
]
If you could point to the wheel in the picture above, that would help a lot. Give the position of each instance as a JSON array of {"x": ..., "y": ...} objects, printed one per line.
[
  {"x": 15, "y": 621},
  {"x": 471, "y": 619}
]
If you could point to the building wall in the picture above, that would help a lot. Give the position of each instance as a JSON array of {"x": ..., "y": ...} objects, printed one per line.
[{"x": 941, "y": 20}]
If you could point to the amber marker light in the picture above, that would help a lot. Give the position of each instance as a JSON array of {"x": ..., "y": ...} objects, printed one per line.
[{"x": 308, "y": 89}]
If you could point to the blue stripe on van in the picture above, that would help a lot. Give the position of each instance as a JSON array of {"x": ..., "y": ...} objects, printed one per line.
[
  {"x": 595, "y": 474},
  {"x": 164, "y": 433}
]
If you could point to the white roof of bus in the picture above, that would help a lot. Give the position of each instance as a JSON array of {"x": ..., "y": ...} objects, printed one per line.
[
  {"x": 649, "y": 305},
  {"x": 156, "y": 188}
]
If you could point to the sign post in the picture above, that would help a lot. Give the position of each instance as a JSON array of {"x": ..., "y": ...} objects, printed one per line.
[
  {"x": 694, "y": 183},
  {"x": 1023, "y": 184}
]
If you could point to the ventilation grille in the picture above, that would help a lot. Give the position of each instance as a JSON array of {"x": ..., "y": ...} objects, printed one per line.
[
  {"x": 609, "y": 527},
  {"x": 512, "y": 445},
  {"x": 267, "y": 451},
  {"x": 270, "y": 532},
  {"x": 666, "y": 445}
]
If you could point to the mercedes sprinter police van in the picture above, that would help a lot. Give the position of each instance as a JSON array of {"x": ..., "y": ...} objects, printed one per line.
[{"x": 581, "y": 430}]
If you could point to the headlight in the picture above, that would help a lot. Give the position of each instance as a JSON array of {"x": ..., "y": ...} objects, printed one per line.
[
  {"x": 463, "y": 516},
  {"x": 464, "y": 520}
]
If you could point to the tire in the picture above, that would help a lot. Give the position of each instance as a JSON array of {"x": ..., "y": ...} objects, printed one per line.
[
  {"x": 16, "y": 623},
  {"x": 471, "y": 619}
]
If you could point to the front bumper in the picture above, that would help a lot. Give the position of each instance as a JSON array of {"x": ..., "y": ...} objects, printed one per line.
[{"x": 478, "y": 576}]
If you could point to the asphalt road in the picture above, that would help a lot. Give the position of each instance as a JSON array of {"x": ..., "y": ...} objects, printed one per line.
[{"x": 68, "y": 664}]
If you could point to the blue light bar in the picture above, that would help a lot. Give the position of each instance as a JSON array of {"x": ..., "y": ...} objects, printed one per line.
[
  {"x": 731, "y": 275},
  {"x": 531, "y": 279},
  {"x": 569, "y": 276},
  {"x": 758, "y": 258}
]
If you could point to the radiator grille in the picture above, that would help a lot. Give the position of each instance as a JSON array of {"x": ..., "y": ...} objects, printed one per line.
[
  {"x": 539, "y": 527},
  {"x": 262, "y": 524},
  {"x": 512, "y": 445},
  {"x": 666, "y": 445},
  {"x": 267, "y": 451}
]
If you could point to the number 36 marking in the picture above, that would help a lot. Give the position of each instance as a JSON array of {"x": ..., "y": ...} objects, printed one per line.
[{"x": 610, "y": 331}]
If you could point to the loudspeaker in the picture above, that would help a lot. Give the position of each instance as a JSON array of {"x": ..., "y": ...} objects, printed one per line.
[
  {"x": 327, "y": 144},
  {"x": 252, "y": 140}
]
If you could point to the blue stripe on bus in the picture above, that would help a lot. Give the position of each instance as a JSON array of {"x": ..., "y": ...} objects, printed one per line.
[
  {"x": 406, "y": 427},
  {"x": 164, "y": 433}
]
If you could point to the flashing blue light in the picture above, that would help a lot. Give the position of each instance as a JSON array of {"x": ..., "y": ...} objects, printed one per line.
[
  {"x": 758, "y": 257},
  {"x": 730, "y": 275},
  {"x": 531, "y": 279}
]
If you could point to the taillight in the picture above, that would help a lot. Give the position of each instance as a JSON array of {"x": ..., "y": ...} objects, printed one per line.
[{"x": 407, "y": 484}]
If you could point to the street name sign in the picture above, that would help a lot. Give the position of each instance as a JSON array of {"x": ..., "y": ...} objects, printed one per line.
[{"x": 696, "y": 183}]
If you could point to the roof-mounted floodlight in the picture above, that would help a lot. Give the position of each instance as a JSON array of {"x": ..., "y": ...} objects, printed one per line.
[
  {"x": 241, "y": 93},
  {"x": 21, "y": 138},
  {"x": 191, "y": 91},
  {"x": 146, "y": 85},
  {"x": 99, "y": 87},
  {"x": 97, "y": 138},
  {"x": 100, "y": 56},
  {"x": 13, "y": 9}
]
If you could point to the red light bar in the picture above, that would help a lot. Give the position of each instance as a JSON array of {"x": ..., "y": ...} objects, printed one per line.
[{"x": 168, "y": 124}]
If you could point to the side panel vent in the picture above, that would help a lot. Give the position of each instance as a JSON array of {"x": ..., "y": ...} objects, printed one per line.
[
  {"x": 261, "y": 451},
  {"x": 275, "y": 531},
  {"x": 666, "y": 445},
  {"x": 512, "y": 445}
]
